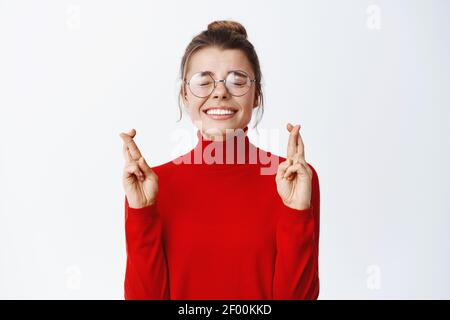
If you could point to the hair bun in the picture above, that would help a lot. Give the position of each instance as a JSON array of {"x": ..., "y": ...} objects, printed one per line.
[{"x": 229, "y": 25}]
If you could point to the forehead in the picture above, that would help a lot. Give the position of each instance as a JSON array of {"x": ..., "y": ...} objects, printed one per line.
[{"x": 218, "y": 61}]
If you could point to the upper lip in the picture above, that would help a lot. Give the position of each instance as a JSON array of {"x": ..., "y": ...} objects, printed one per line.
[{"x": 221, "y": 107}]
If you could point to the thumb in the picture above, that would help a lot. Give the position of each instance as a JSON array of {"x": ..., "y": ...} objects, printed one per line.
[{"x": 282, "y": 167}]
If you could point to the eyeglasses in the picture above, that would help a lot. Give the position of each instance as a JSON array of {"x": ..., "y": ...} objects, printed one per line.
[{"x": 202, "y": 84}]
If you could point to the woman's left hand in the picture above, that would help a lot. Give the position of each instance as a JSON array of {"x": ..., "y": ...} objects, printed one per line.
[{"x": 294, "y": 175}]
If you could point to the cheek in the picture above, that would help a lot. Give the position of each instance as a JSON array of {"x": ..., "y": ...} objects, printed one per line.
[
  {"x": 193, "y": 105},
  {"x": 246, "y": 103}
]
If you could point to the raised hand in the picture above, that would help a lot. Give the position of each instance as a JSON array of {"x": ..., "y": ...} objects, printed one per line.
[
  {"x": 294, "y": 175},
  {"x": 139, "y": 181}
]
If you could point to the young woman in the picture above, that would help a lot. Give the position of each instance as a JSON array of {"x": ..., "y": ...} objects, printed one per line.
[{"x": 221, "y": 221}]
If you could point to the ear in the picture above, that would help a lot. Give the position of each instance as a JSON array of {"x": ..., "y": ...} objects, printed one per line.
[
  {"x": 184, "y": 98},
  {"x": 256, "y": 101}
]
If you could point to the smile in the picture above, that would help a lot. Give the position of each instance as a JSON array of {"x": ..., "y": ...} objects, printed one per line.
[
  {"x": 220, "y": 114},
  {"x": 220, "y": 111}
]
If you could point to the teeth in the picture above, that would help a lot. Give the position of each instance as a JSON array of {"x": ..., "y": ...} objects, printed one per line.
[{"x": 219, "y": 111}]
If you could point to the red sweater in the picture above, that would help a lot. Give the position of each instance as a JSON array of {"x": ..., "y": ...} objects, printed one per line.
[{"x": 221, "y": 231}]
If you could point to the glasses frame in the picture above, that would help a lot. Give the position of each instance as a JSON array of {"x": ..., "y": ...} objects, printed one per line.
[{"x": 220, "y": 80}]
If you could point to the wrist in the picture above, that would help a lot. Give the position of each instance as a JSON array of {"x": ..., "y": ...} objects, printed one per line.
[{"x": 300, "y": 206}]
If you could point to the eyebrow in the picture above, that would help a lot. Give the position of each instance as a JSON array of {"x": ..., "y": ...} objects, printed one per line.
[{"x": 235, "y": 70}]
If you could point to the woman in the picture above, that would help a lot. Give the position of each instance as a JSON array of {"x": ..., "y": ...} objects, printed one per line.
[{"x": 221, "y": 222}]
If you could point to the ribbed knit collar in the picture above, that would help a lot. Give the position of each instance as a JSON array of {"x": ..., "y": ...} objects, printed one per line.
[{"x": 236, "y": 149}]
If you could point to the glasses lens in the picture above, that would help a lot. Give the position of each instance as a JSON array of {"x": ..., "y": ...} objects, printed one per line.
[
  {"x": 238, "y": 83},
  {"x": 201, "y": 84}
]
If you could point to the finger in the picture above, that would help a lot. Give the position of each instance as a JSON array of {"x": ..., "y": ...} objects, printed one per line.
[
  {"x": 283, "y": 166},
  {"x": 293, "y": 140},
  {"x": 301, "y": 146},
  {"x": 308, "y": 168},
  {"x": 126, "y": 153},
  {"x": 295, "y": 168},
  {"x": 132, "y": 147},
  {"x": 145, "y": 168},
  {"x": 298, "y": 158},
  {"x": 132, "y": 133},
  {"x": 132, "y": 169},
  {"x": 282, "y": 169},
  {"x": 289, "y": 126}
]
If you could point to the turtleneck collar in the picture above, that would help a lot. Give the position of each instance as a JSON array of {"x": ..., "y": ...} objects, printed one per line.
[{"x": 235, "y": 149}]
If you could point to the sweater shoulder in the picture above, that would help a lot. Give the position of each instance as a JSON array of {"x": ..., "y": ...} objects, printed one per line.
[{"x": 165, "y": 168}]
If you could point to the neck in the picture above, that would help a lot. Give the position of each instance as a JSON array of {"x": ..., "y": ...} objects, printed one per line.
[{"x": 217, "y": 135}]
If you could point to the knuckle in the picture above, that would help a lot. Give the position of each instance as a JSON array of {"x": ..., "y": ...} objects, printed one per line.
[{"x": 132, "y": 165}]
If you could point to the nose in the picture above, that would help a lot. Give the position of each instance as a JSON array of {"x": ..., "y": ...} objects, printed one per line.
[{"x": 220, "y": 90}]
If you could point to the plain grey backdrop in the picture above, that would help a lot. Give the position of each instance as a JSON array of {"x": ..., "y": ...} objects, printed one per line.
[{"x": 367, "y": 80}]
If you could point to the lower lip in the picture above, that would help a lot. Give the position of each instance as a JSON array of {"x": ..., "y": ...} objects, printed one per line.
[{"x": 220, "y": 116}]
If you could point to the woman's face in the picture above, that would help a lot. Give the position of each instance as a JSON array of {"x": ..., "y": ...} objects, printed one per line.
[{"x": 219, "y": 63}]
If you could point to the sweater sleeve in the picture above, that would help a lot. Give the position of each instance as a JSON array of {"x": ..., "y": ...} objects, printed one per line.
[
  {"x": 146, "y": 275},
  {"x": 296, "y": 273}
]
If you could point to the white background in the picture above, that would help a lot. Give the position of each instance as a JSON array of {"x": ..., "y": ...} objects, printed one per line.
[{"x": 367, "y": 80}]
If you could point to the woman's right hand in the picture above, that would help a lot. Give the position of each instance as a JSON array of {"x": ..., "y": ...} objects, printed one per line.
[{"x": 139, "y": 181}]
